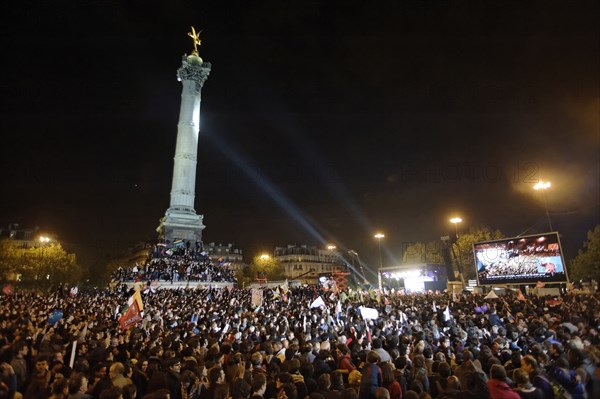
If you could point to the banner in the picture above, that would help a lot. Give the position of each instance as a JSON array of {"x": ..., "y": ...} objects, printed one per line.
[
  {"x": 257, "y": 297},
  {"x": 368, "y": 313}
]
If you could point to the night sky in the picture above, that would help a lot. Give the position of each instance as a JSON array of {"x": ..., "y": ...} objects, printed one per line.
[{"x": 321, "y": 121}]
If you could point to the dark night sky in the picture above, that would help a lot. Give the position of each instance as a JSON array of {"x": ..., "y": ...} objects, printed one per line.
[{"x": 322, "y": 121}]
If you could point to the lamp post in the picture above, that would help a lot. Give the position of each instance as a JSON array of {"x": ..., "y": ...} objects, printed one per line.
[
  {"x": 44, "y": 240},
  {"x": 379, "y": 236},
  {"x": 543, "y": 186},
  {"x": 456, "y": 220},
  {"x": 353, "y": 253}
]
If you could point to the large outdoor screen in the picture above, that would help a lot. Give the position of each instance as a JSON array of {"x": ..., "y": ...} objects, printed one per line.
[{"x": 520, "y": 260}]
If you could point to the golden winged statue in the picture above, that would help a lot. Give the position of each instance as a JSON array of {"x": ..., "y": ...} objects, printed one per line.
[{"x": 196, "y": 39}]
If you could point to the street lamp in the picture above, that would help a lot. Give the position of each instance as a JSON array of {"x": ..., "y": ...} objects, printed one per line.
[
  {"x": 543, "y": 186},
  {"x": 456, "y": 220},
  {"x": 353, "y": 253},
  {"x": 331, "y": 247},
  {"x": 43, "y": 240},
  {"x": 264, "y": 257},
  {"x": 379, "y": 236}
]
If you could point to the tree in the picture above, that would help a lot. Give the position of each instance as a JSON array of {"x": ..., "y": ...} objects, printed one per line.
[
  {"x": 461, "y": 251},
  {"x": 586, "y": 265},
  {"x": 419, "y": 252},
  {"x": 41, "y": 266},
  {"x": 267, "y": 266}
]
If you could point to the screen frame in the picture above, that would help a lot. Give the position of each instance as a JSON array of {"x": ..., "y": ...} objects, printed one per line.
[{"x": 505, "y": 282}]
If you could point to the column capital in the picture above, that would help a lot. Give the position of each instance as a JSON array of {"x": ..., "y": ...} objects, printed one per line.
[{"x": 193, "y": 68}]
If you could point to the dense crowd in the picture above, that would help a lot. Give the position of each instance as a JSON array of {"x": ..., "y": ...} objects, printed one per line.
[
  {"x": 177, "y": 263},
  {"x": 231, "y": 343}
]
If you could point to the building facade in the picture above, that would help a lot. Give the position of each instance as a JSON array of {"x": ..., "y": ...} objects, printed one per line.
[
  {"x": 305, "y": 263},
  {"x": 225, "y": 254}
]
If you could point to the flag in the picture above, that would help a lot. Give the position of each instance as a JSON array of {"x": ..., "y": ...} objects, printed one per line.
[
  {"x": 491, "y": 295},
  {"x": 132, "y": 312},
  {"x": 447, "y": 315},
  {"x": 73, "y": 291},
  {"x": 275, "y": 293},
  {"x": 8, "y": 289},
  {"x": 317, "y": 302},
  {"x": 509, "y": 316},
  {"x": 434, "y": 307},
  {"x": 55, "y": 316},
  {"x": 285, "y": 287},
  {"x": 553, "y": 302},
  {"x": 369, "y": 337},
  {"x": 137, "y": 298},
  {"x": 338, "y": 309},
  {"x": 344, "y": 297},
  {"x": 84, "y": 332},
  {"x": 539, "y": 284},
  {"x": 520, "y": 296},
  {"x": 131, "y": 316}
]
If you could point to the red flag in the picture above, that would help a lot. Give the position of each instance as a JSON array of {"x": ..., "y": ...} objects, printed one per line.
[
  {"x": 553, "y": 302},
  {"x": 520, "y": 296},
  {"x": 8, "y": 289},
  {"x": 131, "y": 316}
]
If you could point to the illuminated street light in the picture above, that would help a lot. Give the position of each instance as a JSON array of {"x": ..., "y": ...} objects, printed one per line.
[
  {"x": 265, "y": 257},
  {"x": 44, "y": 239},
  {"x": 543, "y": 186},
  {"x": 379, "y": 236},
  {"x": 331, "y": 247},
  {"x": 456, "y": 221}
]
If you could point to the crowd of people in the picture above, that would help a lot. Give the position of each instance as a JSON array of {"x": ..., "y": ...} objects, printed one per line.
[
  {"x": 298, "y": 343},
  {"x": 176, "y": 263}
]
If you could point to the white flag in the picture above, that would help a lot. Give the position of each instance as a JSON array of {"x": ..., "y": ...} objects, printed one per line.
[
  {"x": 317, "y": 302},
  {"x": 447, "y": 315}
]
